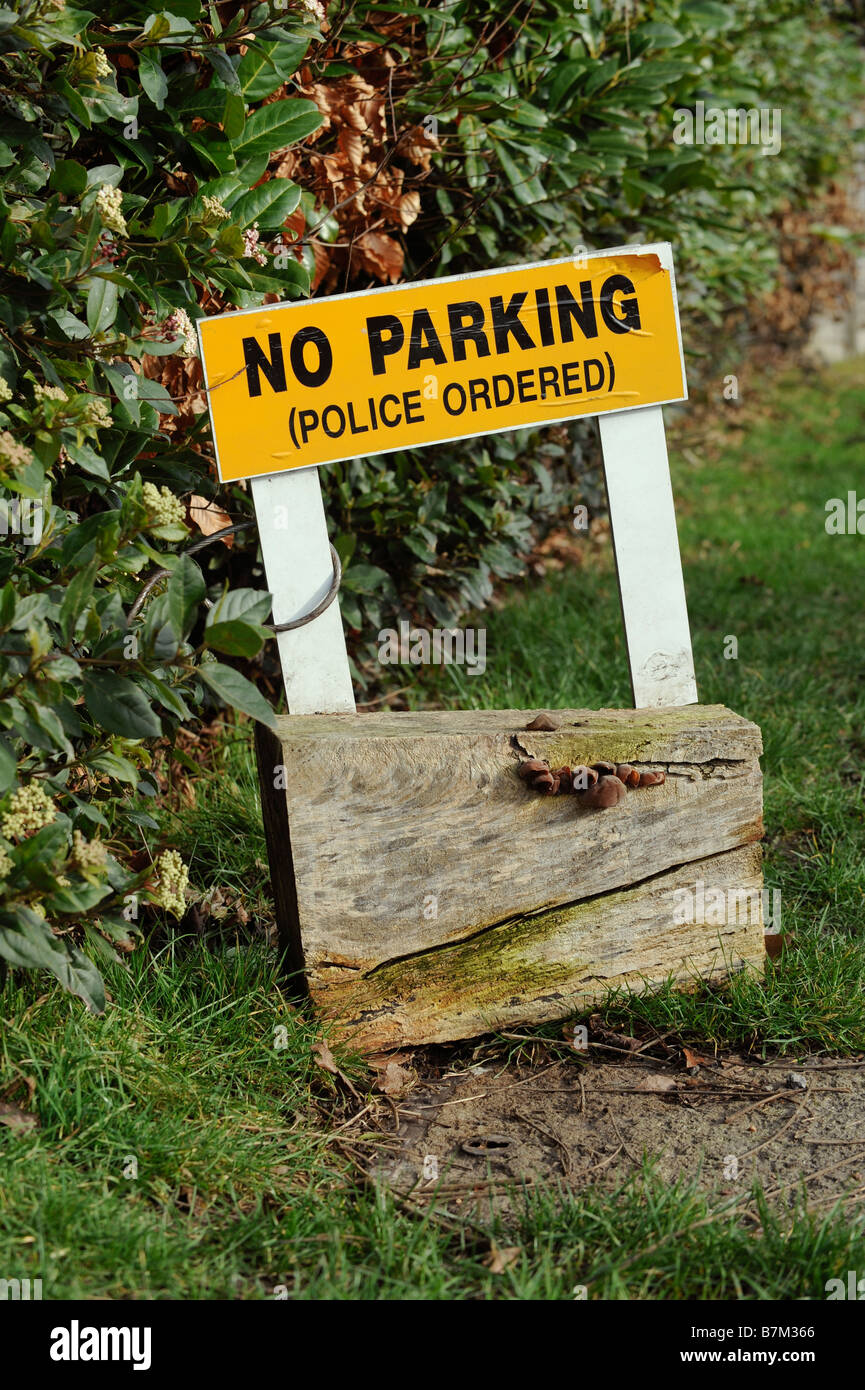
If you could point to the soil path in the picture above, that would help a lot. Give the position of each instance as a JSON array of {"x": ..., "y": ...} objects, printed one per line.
[{"x": 726, "y": 1122}]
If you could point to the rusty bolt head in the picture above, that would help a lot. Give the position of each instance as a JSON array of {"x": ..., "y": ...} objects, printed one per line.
[
  {"x": 582, "y": 778},
  {"x": 627, "y": 774},
  {"x": 652, "y": 779},
  {"x": 608, "y": 791}
]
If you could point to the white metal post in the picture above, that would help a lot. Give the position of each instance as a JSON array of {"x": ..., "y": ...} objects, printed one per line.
[
  {"x": 648, "y": 561},
  {"x": 299, "y": 570}
]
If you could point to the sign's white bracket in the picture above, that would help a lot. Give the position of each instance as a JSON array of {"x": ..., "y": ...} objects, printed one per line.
[
  {"x": 651, "y": 585},
  {"x": 299, "y": 570},
  {"x": 298, "y": 566}
]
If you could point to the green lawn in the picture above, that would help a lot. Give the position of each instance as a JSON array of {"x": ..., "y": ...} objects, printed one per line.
[{"x": 189, "y": 1148}]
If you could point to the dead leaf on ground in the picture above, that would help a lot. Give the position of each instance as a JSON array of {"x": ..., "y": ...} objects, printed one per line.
[
  {"x": 324, "y": 1057},
  {"x": 696, "y": 1059},
  {"x": 326, "y": 1060},
  {"x": 394, "y": 1080},
  {"x": 16, "y": 1118},
  {"x": 498, "y": 1260},
  {"x": 656, "y": 1083}
]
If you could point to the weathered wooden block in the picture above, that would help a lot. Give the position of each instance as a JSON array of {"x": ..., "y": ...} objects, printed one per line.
[{"x": 424, "y": 893}]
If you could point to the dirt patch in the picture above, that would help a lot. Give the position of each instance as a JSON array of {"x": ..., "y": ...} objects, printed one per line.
[{"x": 726, "y": 1122}]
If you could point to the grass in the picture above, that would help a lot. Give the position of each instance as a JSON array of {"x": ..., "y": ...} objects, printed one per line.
[
  {"x": 181, "y": 1154},
  {"x": 190, "y": 1147}
]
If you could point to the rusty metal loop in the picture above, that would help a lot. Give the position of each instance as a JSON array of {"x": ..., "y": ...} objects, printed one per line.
[{"x": 275, "y": 628}]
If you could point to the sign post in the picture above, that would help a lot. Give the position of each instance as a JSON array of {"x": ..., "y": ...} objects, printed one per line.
[
  {"x": 297, "y": 561},
  {"x": 295, "y": 386}
]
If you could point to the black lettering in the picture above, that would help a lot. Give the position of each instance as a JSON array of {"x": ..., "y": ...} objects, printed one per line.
[
  {"x": 479, "y": 389},
  {"x": 385, "y": 421},
  {"x": 548, "y": 376},
  {"x": 523, "y": 387},
  {"x": 584, "y": 313},
  {"x": 325, "y": 357},
  {"x": 256, "y": 361},
  {"x": 454, "y": 386},
  {"x": 333, "y": 434},
  {"x": 593, "y": 385},
  {"x": 379, "y": 347},
  {"x": 352, "y": 423},
  {"x": 411, "y": 402},
  {"x": 506, "y": 321},
  {"x": 496, "y": 380},
  {"x": 418, "y": 349},
  {"x": 470, "y": 331},
  {"x": 308, "y": 422},
  {"x": 630, "y": 316},
  {"x": 570, "y": 377},
  {"x": 545, "y": 318}
]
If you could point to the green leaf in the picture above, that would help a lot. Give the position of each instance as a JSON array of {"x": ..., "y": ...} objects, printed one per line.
[
  {"x": 250, "y": 604},
  {"x": 27, "y": 940},
  {"x": 365, "y": 579},
  {"x": 236, "y": 638},
  {"x": 77, "y": 897},
  {"x": 68, "y": 176},
  {"x": 235, "y": 690},
  {"x": 101, "y": 304},
  {"x": 8, "y": 767},
  {"x": 186, "y": 589},
  {"x": 268, "y": 205},
  {"x": 273, "y": 127},
  {"x": 121, "y": 769},
  {"x": 152, "y": 78},
  {"x": 224, "y": 68},
  {"x": 117, "y": 704},
  {"x": 265, "y": 66}
]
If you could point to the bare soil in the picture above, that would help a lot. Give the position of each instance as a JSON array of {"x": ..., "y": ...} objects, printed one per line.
[{"x": 572, "y": 1119}]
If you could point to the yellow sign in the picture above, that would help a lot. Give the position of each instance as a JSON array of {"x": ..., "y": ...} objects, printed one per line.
[{"x": 291, "y": 385}]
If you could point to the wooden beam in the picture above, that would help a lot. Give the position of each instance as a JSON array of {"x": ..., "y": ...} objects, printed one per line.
[{"x": 401, "y": 835}]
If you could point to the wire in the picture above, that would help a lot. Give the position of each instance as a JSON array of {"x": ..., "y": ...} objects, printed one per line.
[{"x": 275, "y": 628}]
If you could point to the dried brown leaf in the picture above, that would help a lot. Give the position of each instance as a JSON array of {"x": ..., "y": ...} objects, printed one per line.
[
  {"x": 394, "y": 1080},
  {"x": 209, "y": 518},
  {"x": 656, "y": 1083},
  {"x": 380, "y": 256},
  {"x": 16, "y": 1118},
  {"x": 500, "y": 1259}
]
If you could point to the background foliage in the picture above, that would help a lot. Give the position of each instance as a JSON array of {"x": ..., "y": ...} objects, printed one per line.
[{"x": 156, "y": 167}]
